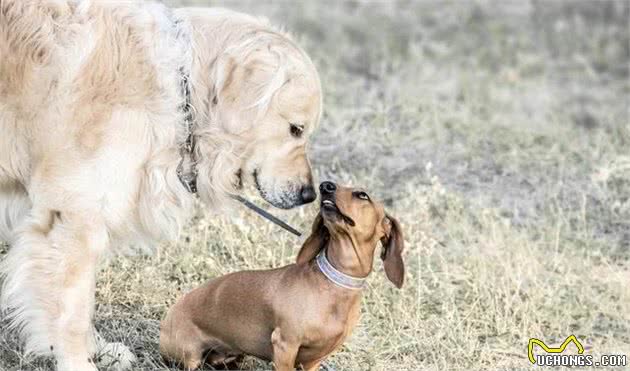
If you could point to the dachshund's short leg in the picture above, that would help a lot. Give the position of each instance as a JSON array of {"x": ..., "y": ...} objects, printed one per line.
[
  {"x": 312, "y": 366},
  {"x": 284, "y": 351}
]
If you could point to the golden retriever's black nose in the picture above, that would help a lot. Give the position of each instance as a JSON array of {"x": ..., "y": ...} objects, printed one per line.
[
  {"x": 327, "y": 188},
  {"x": 308, "y": 194}
]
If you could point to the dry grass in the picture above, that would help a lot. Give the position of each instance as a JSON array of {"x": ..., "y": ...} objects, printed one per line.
[{"x": 498, "y": 133}]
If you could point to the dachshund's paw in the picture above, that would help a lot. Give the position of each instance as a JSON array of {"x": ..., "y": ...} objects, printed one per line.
[{"x": 115, "y": 357}]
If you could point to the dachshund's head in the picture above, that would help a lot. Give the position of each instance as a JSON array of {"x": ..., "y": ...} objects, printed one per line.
[{"x": 350, "y": 224}]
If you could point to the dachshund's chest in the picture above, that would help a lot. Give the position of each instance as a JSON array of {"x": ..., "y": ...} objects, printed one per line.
[{"x": 326, "y": 335}]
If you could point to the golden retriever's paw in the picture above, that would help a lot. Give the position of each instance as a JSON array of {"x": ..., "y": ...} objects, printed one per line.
[
  {"x": 74, "y": 364},
  {"x": 115, "y": 357}
]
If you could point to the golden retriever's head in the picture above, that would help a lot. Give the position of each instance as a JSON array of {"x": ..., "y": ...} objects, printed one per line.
[
  {"x": 282, "y": 101},
  {"x": 264, "y": 103}
]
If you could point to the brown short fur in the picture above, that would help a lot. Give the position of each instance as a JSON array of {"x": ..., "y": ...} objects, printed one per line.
[{"x": 291, "y": 315}]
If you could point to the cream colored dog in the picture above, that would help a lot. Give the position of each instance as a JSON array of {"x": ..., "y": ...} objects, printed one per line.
[{"x": 112, "y": 114}]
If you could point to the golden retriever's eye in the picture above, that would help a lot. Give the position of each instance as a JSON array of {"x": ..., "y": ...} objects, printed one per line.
[
  {"x": 362, "y": 195},
  {"x": 296, "y": 130}
]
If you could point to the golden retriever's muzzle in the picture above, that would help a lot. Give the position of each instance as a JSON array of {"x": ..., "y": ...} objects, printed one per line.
[{"x": 284, "y": 194}]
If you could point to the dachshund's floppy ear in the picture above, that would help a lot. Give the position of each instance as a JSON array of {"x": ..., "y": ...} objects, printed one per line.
[
  {"x": 393, "y": 245},
  {"x": 315, "y": 242}
]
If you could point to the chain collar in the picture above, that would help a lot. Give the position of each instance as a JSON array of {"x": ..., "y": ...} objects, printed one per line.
[
  {"x": 186, "y": 169},
  {"x": 187, "y": 174},
  {"x": 336, "y": 276}
]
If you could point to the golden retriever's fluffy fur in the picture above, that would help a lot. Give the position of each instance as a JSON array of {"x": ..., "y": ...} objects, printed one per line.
[{"x": 91, "y": 128}]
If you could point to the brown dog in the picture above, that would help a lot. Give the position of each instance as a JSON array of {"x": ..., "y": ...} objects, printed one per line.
[{"x": 297, "y": 314}]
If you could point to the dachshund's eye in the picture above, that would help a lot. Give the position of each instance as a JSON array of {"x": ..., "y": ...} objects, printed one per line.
[
  {"x": 362, "y": 195},
  {"x": 296, "y": 130}
]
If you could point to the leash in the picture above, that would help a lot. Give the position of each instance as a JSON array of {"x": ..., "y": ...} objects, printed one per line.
[{"x": 265, "y": 214}]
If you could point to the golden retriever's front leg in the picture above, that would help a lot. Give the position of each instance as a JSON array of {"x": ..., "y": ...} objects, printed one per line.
[
  {"x": 49, "y": 284},
  {"x": 82, "y": 242}
]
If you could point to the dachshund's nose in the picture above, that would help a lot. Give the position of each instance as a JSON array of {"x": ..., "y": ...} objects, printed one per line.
[
  {"x": 327, "y": 188},
  {"x": 308, "y": 194}
]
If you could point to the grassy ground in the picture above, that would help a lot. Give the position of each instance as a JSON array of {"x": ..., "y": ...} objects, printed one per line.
[{"x": 497, "y": 132}]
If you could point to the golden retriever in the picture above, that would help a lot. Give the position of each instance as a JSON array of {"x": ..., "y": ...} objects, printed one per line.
[{"x": 112, "y": 115}]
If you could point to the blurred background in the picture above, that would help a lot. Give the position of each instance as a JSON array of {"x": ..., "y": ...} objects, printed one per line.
[
  {"x": 515, "y": 104},
  {"x": 498, "y": 132}
]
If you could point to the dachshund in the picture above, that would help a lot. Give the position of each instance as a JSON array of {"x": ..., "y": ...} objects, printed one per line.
[{"x": 297, "y": 314}]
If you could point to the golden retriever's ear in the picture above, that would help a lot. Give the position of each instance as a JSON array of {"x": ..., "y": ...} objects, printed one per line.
[
  {"x": 315, "y": 242},
  {"x": 393, "y": 245}
]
